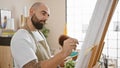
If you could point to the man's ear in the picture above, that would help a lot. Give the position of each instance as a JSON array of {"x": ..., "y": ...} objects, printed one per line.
[{"x": 31, "y": 12}]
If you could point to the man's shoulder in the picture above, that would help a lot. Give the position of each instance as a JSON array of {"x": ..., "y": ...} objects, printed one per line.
[{"x": 21, "y": 33}]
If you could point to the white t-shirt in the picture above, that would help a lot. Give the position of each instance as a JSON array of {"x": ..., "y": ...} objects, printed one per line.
[{"x": 23, "y": 47}]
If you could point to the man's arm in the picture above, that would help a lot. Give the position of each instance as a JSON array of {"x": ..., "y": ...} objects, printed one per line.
[
  {"x": 32, "y": 64},
  {"x": 51, "y": 63}
]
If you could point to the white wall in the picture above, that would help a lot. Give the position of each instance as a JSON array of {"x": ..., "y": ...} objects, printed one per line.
[{"x": 55, "y": 23}]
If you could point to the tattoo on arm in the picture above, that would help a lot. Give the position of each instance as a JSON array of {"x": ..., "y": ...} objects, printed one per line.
[{"x": 32, "y": 64}]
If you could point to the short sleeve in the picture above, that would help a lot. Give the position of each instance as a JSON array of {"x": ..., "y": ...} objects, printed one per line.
[{"x": 22, "y": 51}]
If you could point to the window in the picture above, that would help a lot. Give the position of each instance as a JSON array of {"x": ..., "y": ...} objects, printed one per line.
[{"x": 79, "y": 13}]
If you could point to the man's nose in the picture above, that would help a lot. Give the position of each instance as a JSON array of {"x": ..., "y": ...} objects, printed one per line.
[{"x": 46, "y": 17}]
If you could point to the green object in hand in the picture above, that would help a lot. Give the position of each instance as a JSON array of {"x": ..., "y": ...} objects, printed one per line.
[{"x": 70, "y": 64}]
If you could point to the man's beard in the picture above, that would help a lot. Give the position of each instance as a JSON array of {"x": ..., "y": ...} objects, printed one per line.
[{"x": 37, "y": 23}]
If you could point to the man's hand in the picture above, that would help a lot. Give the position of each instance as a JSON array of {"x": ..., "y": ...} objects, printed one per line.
[{"x": 68, "y": 45}]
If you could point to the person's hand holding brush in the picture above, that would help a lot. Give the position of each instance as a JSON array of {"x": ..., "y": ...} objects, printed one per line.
[{"x": 68, "y": 44}]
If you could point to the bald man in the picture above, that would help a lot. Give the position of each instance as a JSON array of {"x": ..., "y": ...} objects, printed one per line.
[{"x": 29, "y": 47}]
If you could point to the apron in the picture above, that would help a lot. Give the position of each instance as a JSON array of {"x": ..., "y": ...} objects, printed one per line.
[
  {"x": 42, "y": 48},
  {"x": 42, "y": 51}
]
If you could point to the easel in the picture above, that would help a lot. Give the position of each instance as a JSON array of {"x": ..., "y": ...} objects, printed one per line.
[{"x": 97, "y": 50}]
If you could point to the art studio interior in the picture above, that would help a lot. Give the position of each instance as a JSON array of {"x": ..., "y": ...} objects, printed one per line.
[{"x": 74, "y": 18}]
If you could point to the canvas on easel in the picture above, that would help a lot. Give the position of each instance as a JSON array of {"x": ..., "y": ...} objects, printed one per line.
[{"x": 94, "y": 39}]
